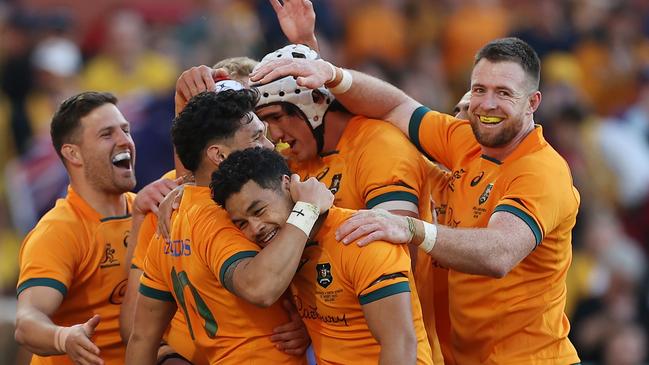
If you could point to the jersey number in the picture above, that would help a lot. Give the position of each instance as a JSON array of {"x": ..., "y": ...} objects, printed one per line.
[{"x": 180, "y": 281}]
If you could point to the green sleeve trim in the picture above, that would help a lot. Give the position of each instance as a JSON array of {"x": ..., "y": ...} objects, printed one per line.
[
  {"x": 51, "y": 283},
  {"x": 489, "y": 158},
  {"x": 116, "y": 217},
  {"x": 413, "y": 128},
  {"x": 536, "y": 230},
  {"x": 234, "y": 258},
  {"x": 393, "y": 196},
  {"x": 384, "y": 292},
  {"x": 150, "y": 292}
]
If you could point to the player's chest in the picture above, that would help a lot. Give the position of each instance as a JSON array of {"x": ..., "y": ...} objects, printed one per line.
[
  {"x": 110, "y": 242},
  {"x": 473, "y": 192},
  {"x": 321, "y": 291}
]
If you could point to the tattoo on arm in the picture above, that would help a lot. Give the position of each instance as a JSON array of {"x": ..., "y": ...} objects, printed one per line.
[{"x": 228, "y": 282}]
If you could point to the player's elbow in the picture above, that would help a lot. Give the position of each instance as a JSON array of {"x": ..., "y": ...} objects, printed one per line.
[
  {"x": 403, "y": 348},
  {"x": 19, "y": 334},
  {"x": 498, "y": 268},
  {"x": 262, "y": 298}
]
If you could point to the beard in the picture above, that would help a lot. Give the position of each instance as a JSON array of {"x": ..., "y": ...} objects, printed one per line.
[
  {"x": 105, "y": 179},
  {"x": 494, "y": 138}
]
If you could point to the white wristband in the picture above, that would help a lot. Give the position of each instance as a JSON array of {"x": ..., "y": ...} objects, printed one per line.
[
  {"x": 303, "y": 216},
  {"x": 344, "y": 84},
  {"x": 60, "y": 336},
  {"x": 333, "y": 72},
  {"x": 430, "y": 237}
]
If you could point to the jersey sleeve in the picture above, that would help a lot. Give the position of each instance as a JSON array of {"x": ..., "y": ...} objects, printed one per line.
[
  {"x": 395, "y": 180},
  {"x": 224, "y": 243},
  {"x": 542, "y": 209},
  {"x": 377, "y": 271},
  {"x": 50, "y": 256},
  {"x": 144, "y": 237},
  {"x": 440, "y": 137},
  {"x": 152, "y": 283}
]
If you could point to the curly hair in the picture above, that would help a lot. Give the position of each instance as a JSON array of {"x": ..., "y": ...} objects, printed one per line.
[
  {"x": 261, "y": 165},
  {"x": 209, "y": 117}
]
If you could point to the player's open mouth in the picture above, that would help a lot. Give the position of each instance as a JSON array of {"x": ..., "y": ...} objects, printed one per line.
[
  {"x": 269, "y": 237},
  {"x": 490, "y": 120},
  {"x": 122, "y": 160}
]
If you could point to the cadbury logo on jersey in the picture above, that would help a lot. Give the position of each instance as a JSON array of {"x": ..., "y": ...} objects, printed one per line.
[{"x": 324, "y": 277}]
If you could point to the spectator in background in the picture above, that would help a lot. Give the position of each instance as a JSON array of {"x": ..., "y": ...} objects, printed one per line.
[{"x": 126, "y": 67}]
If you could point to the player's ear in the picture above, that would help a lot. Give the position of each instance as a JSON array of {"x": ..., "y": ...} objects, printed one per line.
[
  {"x": 286, "y": 182},
  {"x": 534, "y": 102},
  {"x": 216, "y": 153},
  {"x": 72, "y": 154}
]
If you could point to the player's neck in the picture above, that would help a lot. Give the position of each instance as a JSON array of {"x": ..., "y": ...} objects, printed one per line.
[
  {"x": 335, "y": 124},
  {"x": 502, "y": 152},
  {"x": 107, "y": 205}
]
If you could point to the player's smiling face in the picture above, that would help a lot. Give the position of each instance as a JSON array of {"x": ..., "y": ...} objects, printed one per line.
[
  {"x": 260, "y": 212},
  {"x": 502, "y": 102},
  {"x": 291, "y": 129},
  {"x": 107, "y": 150}
]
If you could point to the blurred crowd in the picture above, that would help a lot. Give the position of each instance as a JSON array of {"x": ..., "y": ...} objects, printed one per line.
[{"x": 595, "y": 110}]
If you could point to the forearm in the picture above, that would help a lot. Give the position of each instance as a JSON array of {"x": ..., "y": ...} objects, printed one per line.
[
  {"x": 141, "y": 350},
  {"x": 35, "y": 331},
  {"x": 264, "y": 278},
  {"x": 127, "y": 311},
  {"x": 378, "y": 99},
  {"x": 398, "y": 352},
  {"x": 479, "y": 251}
]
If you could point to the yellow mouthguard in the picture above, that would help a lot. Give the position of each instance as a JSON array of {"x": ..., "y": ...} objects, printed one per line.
[{"x": 490, "y": 120}]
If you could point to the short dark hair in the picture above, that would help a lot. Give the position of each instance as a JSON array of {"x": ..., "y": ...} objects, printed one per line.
[
  {"x": 207, "y": 117},
  {"x": 515, "y": 50},
  {"x": 261, "y": 165},
  {"x": 67, "y": 118}
]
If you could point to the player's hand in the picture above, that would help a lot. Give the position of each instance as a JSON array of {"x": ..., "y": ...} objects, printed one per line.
[
  {"x": 373, "y": 225},
  {"x": 291, "y": 337},
  {"x": 148, "y": 199},
  {"x": 297, "y": 20},
  {"x": 78, "y": 345},
  {"x": 170, "y": 203},
  {"x": 311, "y": 74},
  {"x": 194, "y": 81},
  {"x": 311, "y": 191}
]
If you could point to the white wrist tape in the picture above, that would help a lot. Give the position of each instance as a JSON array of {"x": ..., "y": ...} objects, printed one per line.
[
  {"x": 344, "y": 84},
  {"x": 303, "y": 216},
  {"x": 333, "y": 72},
  {"x": 60, "y": 336},
  {"x": 430, "y": 237}
]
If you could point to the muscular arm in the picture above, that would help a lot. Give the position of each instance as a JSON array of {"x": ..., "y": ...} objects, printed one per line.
[
  {"x": 34, "y": 328},
  {"x": 378, "y": 99},
  {"x": 153, "y": 317},
  {"x": 390, "y": 321},
  {"x": 36, "y": 332},
  {"x": 493, "y": 251},
  {"x": 127, "y": 312},
  {"x": 262, "y": 279}
]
